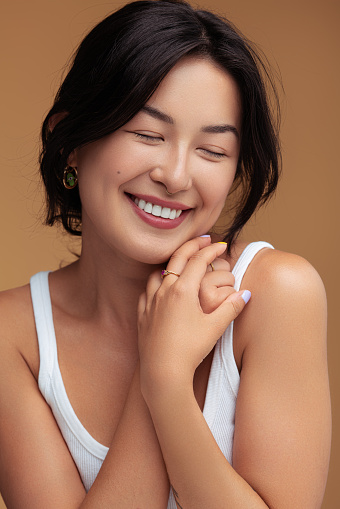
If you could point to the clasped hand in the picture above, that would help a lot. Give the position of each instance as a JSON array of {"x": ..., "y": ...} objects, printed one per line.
[{"x": 181, "y": 318}]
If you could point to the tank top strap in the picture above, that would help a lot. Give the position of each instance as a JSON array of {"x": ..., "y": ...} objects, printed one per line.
[
  {"x": 42, "y": 309},
  {"x": 227, "y": 348},
  {"x": 244, "y": 260},
  {"x": 224, "y": 379}
]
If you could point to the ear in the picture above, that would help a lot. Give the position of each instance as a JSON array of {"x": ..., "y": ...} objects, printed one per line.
[
  {"x": 55, "y": 119},
  {"x": 72, "y": 159}
]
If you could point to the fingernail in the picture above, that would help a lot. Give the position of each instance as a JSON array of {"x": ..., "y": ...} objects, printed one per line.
[
  {"x": 204, "y": 235},
  {"x": 246, "y": 296},
  {"x": 222, "y": 243}
]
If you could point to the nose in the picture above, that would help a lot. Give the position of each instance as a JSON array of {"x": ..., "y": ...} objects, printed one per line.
[{"x": 173, "y": 171}]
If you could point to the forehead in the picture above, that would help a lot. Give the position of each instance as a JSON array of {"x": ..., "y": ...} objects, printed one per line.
[{"x": 198, "y": 88}]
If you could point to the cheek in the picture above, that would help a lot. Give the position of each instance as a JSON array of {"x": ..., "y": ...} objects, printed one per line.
[
  {"x": 105, "y": 165},
  {"x": 216, "y": 186}
]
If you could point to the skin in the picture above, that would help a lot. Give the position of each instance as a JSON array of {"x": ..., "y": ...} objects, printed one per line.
[{"x": 126, "y": 333}]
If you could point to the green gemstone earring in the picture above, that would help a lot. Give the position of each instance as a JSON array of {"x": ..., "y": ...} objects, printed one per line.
[{"x": 70, "y": 178}]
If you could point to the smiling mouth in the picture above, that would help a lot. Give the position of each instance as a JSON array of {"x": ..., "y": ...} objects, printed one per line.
[{"x": 156, "y": 210}]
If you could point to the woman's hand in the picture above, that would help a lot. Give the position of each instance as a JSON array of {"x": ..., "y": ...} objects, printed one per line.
[
  {"x": 215, "y": 285},
  {"x": 181, "y": 318}
]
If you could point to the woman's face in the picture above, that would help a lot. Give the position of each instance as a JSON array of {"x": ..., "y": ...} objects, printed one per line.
[{"x": 186, "y": 141}]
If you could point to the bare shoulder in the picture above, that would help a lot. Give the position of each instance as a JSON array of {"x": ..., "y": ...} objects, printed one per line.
[
  {"x": 19, "y": 296},
  {"x": 277, "y": 274},
  {"x": 17, "y": 326},
  {"x": 15, "y": 309},
  {"x": 288, "y": 295}
]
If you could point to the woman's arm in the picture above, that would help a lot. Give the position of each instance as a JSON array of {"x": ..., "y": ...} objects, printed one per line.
[
  {"x": 282, "y": 428},
  {"x": 283, "y": 417},
  {"x": 36, "y": 468},
  {"x": 133, "y": 475}
]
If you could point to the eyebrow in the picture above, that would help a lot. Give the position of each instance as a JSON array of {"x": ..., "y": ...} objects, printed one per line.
[
  {"x": 220, "y": 128},
  {"x": 159, "y": 115}
]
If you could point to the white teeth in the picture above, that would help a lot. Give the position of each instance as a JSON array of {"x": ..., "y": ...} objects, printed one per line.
[
  {"x": 157, "y": 210},
  {"x": 165, "y": 212},
  {"x": 148, "y": 208}
]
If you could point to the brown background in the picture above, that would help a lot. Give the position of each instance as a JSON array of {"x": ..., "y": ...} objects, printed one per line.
[{"x": 301, "y": 37}]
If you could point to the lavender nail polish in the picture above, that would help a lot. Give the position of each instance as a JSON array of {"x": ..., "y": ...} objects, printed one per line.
[{"x": 246, "y": 296}]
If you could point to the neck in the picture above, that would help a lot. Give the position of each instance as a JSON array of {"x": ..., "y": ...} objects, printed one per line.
[{"x": 108, "y": 284}]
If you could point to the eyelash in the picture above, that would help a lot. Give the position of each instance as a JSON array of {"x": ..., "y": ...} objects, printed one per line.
[
  {"x": 217, "y": 155},
  {"x": 147, "y": 137}
]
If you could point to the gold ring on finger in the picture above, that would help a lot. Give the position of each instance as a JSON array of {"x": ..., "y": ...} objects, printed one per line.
[{"x": 165, "y": 273}]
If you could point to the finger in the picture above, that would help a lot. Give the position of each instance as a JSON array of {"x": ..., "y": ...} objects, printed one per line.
[
  {"x": 196, "y": 267},
  {"x": 219, "y": 264},
  {"x": 215, "y": 288},
  {"x": 180, "y": 257},
  {"x": 230, "y": 309},
  {"x": 218, "y": 278},
  {"x": 213, "y": 297},
  {"x": 152, "y": 285},
  {"x": 141, "y": 305}
]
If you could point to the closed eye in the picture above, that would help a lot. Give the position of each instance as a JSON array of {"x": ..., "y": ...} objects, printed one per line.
[
  {"x": 153, "y": 139},
  {"x": 147, "y": 137},
  {"x": 217, "y": 155}
]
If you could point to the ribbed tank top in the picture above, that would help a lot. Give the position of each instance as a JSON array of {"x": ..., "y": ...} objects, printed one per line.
[{"x": 87, "y": 453}]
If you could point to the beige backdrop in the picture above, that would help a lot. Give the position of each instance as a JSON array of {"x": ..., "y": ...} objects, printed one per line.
[{"x": 301, "y": 36}]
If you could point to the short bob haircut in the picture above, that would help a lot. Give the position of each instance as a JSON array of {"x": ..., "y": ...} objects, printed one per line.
[{"x": 116, "y": 69}]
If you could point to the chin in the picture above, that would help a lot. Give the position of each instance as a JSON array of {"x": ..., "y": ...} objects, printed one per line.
[
  {"x": 153, "y": 258},
  {"x": 154, "y": 253}
]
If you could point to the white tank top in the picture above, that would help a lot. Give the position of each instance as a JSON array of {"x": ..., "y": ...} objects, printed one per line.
[{"x": 87, "y": 453}]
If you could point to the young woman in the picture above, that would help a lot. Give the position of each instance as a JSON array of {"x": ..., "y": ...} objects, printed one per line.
[{"x": 143, "y": 368}]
